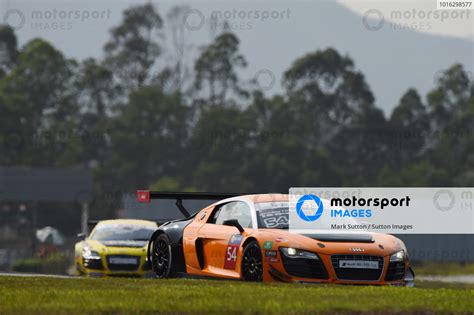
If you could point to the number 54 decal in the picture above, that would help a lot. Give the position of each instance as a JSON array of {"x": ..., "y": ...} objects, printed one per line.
[{"x": 231, "y": 251}]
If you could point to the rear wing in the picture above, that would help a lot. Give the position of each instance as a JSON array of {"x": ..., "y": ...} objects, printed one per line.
[{"x": 145, "y": 196}]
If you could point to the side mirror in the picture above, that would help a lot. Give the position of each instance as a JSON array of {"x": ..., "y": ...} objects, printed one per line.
[
  {"x": 81, "y": 236},
  {"x": 234, "y": 222}
]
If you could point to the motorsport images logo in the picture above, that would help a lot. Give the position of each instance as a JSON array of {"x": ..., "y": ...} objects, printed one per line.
[
  {"x": 394, "y": 210},
  {"x": 310, "y": 207},
  {"x": 313, "y": 207}
]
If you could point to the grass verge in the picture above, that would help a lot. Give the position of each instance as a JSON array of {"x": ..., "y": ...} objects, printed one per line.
[{"x": 27, "y": 295}]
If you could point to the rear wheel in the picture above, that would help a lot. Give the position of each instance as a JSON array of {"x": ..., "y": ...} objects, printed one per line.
[
  {"x": 252, "y": 266},
  {"x": 161, "y": 258}
]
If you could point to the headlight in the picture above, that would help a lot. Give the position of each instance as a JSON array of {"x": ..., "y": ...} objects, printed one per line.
[
  {"x": 87, "y": 253},
  {"x": 298, "y": 253},
  {"x": 398, "y": 256}
]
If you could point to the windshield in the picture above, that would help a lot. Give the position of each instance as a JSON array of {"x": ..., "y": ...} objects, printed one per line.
[{"x": 123, "y": 233}]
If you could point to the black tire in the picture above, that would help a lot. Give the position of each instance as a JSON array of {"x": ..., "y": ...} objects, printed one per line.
[
  {"x": 162, "y": 258},
  {"x": 252, "y": 265}
]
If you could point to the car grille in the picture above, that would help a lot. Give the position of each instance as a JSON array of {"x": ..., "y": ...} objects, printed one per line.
[
  {"x": 93, "y": 264},
  {"x": 357, "y": 273},
  {"x": 304, "y": 268},
  {"x": 127, "y": 266},
  {"x": 395, "y": 271}
]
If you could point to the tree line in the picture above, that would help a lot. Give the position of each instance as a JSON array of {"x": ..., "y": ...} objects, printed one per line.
[{"x": 146, "y": 116}]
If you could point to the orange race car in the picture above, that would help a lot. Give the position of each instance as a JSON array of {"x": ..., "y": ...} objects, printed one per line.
[{"x": 246, "y": 237}]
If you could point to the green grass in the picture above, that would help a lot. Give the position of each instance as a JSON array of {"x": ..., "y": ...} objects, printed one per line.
[
  {"x": 445, "y": 285},
  {"x": 78, "y": 296},
  {"x": 443, "y": 269}
]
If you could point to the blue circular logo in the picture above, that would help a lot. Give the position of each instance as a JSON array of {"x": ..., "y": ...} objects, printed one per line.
[{"x": 318, "y": 208}]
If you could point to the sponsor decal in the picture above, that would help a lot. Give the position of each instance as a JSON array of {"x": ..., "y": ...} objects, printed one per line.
[
  {"x": 267, "y": 245},
  {"x": 271, "y": 256},
  {"x": 123, "y": 261},
  {"x": 143, "y": 196},
  {"x": 274, "y": 218},
  {"x": 232, "y": 251},
  {"x": 272, "y": 215},
  {"x": 235, "y": 239},
  {"x": 357, "y": 249},
  {"x": 359, "y": 264},
  {"x": 281, "y": 240}
]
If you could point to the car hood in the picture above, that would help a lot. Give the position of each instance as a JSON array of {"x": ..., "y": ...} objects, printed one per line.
[
  {"x": 118, "y": 248},
  {"x": 331, "y": 242},
  {"x": 343, "y": 237}
]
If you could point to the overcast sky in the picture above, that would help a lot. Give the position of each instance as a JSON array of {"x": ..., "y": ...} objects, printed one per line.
[{"x": 392, "y": 42}]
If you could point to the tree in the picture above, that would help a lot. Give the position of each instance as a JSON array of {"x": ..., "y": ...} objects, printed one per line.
[
  {"x": 96, "y": 95},
  {"x": 409, "y": 128},
  {"x": 176, "y": 75},
  {"x": 147, "y": 139},
  {"x": 134, "y": 46},
  {"x": 39, "y": 104},
  {"x": 280, "y": 156},
  {"x": 452, "y": 121},
  {"x": 219, "y": 148},
  {"x": 335, "y": 108},
  {"x": 216, "y": 70},
  {"x": 451, "y": 94},
  {"x": 8, "y": 49}
]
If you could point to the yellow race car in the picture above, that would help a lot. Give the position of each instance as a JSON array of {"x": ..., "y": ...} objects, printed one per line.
[{"x": 115, "y": 248}]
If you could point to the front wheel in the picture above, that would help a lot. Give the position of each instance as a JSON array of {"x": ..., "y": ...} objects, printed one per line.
[
  {"x": 161, "y": 258},
  {"x": 252, "y": 266}
]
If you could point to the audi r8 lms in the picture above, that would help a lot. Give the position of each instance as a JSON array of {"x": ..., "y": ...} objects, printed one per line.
[
  {"x": 115, "y": 248},
  {"x": 247, "y": 237}
]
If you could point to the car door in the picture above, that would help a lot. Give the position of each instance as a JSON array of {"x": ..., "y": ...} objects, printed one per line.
[{"x": 221, "y": 243}]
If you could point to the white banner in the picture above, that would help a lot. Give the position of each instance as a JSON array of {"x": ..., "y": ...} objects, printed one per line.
[{"x": 387, "y": 210}]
